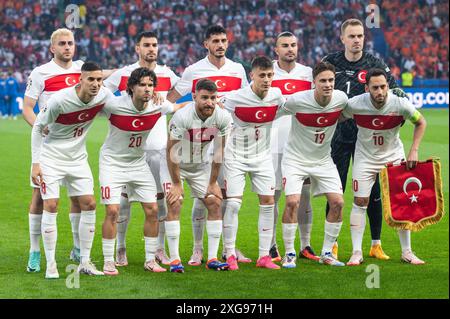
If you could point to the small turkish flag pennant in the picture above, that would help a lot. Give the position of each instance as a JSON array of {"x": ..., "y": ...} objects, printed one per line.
[{"x": 412, "y": 199}]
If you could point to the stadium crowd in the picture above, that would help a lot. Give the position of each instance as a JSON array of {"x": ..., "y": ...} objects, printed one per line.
[{"x": 415, "y": 31}]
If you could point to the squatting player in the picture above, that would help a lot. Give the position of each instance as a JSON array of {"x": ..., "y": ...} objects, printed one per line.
[{"x": 192, "y": 130}]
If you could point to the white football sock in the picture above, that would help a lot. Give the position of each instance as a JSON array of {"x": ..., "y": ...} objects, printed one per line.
[
  {"x": 331, "y": 233},
  {"x": 75, "y": 223},
  {"x": 49, "y": 232},
  {"x": 275, "y": 218},
  {"x": 198, "y": 223},
  {"x": 357, "y": 226},
  {"x": 87, "y": 231},
  {"x": 214, "y": 229},
  {"x": 162, "y": 213},
  {"x": 289, "y": 232},
  {"x": 150, "y": 247},
  {"x": 230, "y": 225},
  {"x": 122, "y": 221},
  {"x": 265, "y": 228},
  {"x": 34, "y": 222},
  {"x": 376, "y": 242},
  {"x": 304, "y": 217},
  {"x": 108, "y": 249},
  {"x": 405, "y": 239},
  {"x": 173, "y": 239}
]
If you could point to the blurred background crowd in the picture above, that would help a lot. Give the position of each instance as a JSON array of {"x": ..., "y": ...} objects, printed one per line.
[{"x": 413, "y": 36}]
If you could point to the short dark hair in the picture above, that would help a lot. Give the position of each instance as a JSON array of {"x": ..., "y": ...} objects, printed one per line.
[
  {"x": 214, "y": 29},
  {"x": 206, "y": 84},
  {"x": 262, "y": 62},
  {"x": 375, "y": 72},
  {"x": 352, "y": 22},
  {"x": 90, "y": 66},
  {"x": 137, "y": 75},
  {"x": 321, "y": 67},
  {"x": 285, "y": 34},
  {"x": 146, "y": 34}
]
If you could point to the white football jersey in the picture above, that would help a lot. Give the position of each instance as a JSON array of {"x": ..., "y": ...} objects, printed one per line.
[
  {"x": 68, "y": 120},
  {"x": 157, "y": 139},
  {"x": 378, "y": 137},
  {"x": 231, "y": 76},
  {"x": 196, "y": 135},
  {"x": 313, "y": 126},
  {"x": 252, "y": 118},
  {"x": 49, "y": 78},
  {"x": 298, "y": 79},
  {"x": 129, "y": 128}
]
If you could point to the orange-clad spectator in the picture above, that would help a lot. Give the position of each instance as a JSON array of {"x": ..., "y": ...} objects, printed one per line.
[
  {"x": 252, "y": 34},
  {"x": 132, "y": 30}
]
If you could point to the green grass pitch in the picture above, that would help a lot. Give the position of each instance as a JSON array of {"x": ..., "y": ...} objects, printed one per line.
[{"x": 308, "y": 280}]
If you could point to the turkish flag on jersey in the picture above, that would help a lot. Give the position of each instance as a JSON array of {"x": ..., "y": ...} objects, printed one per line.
[
  {"x": 79, "y": 116},
  {"x": 256, "y": 114},
  {"x": 61, "y": 81},
  {"x": 318, "y": 119},
  {"x": 134, "y": 123},
  {"x": 291, "y": 86},
  {"x": 412, "y": 199},
  {"x": 163, "y": 84},
  {"x": 204, "y": 134},
  {"x": 223, "y": 83},
  {"x": 378, "y": 122}
]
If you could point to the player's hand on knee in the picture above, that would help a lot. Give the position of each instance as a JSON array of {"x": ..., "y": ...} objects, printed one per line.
[
  {"x": 175, "y": 194},
  {"x": 214, "y": 190},
  {"x": 36, "y": 174}
]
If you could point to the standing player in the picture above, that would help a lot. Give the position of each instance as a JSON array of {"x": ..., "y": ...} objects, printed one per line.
[
  {"x": 147, "y": 51},
  {"x": 307, "y": 155},
  {"x": 191, "y": 132},
  {"x": 253, "y": 109},
  {"x": 290, "y": 77},
  {"x": 351, "y": 68},
  {"x": 123, "y": 162},
  {"x": 63, "y": 158},
  {"x": 44, "y": 81},
  {"x": 228, "y": 76},
  {"x": 379, "y": 115},
  {"x": 2, "y": 94}
]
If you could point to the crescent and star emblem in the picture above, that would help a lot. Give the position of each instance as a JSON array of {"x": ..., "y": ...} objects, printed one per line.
[
  {"x": 83, "y": 116},
  {"x": 289, "y": 87},
  {"x": 376, "y": 122},
  {"x": 198, "y": 136},
  {"x": 136, "y": 123},
  {"x": 220, "y": 84},
  {"x": 408, "y": 181},
  {"x": 259, "y": 115},
  {"x": 70, "y": 81},
  {"x": 320, "y": 118}
]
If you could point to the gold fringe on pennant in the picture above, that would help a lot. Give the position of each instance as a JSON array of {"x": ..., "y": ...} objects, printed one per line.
[{"x": 421, "y": 224}]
